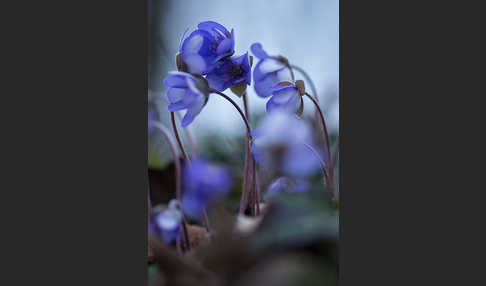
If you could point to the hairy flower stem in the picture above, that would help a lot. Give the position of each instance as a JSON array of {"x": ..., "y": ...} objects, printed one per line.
[
  {"x": 177, "y": 165},
  {"x": 188, "y": 160},
  {"x": 326, "y": 136},
  {"x": 190, "y": 137},
  {"x": 249, "y": 161},
  {"x": 248, "y": 138},
  {"x": 312, "y": 86}
]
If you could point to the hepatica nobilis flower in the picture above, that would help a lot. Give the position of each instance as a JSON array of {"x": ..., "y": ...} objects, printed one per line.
[
  {"x": 204, "y": 47},
  {"x": 269, "y": 71},
  {"x": 283, "y": 143},
  {"x": 286, "y": 97},
  {"x": 204, "y": 182},
  {"x": 230, "y": 72},
  {"x": 169, "y": 221},
  {"x": 186, "y": 91}
]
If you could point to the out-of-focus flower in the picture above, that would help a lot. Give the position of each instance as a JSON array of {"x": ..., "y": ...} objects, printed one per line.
[
  {"x": 204, "y": 47},
  {"x": 204, "y": 182},
  {"x": 186, "y": 92},
  {"x": 284, "y": 143},
  {"x": 169, "y": 222},
  {"x": 230, "y": 72},
  {"x": 268, "y": 72},
  {"x": 286, "y": 185}
]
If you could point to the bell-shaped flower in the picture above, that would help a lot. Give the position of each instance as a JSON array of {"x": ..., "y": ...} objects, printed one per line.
[
  {"x": 204, "y": 47},
  {"x": 269, "y": 71},
  {"x": 283, "y": 143},
  {"x": 285, "y": 97},
  {"x": 186, "y": 92}
]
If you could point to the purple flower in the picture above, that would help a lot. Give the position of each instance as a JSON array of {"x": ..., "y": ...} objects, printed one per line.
[
  {"x": 186, "y": 92},
  {"x": 284, "y": 97},
  {"x": 268, "y": 72},
  {"x": 230, "y": 72},
  {"x": 284, "y": 143},
  {"x": 169, "y": 221},
  {"x": 205, "y": 46},
  {"x": 204, "y": 182}
]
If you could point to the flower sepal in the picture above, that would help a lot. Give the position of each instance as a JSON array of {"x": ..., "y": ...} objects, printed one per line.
[
  {"x": 239, "y": 89},
  {"x": 300, "y": 87},
  {"x": 181, "y": 65}
]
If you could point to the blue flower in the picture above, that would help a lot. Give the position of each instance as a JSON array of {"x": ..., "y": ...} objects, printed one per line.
[
  {"x": 268, "y": 72},
  {"x": 186, "y": 92},
  {"x": 205, "y": 46},
  {"x": 283, "y": 143},
  {"x": 204, "y": 182},
  {"x": 230, "y": 72},
  {"x": 169, "y": 222},
  {"x": 284, "y": 97}
]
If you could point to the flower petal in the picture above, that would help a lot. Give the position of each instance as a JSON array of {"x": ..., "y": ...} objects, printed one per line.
[
  {"x": 258, "y": 51},
  {"x": 193, "y": 110},
  {"x": 262, "y": 86},
  {"x": 213, "y": 27},
  {"x": 300, "y": 161},
  {"x": 269, "y": 65},
  {"x": 175, "y": 94},
  {"x": 195, "y": 63},
  {"x": 224, "y": 47},
  {"x": 177, "y": 80}
]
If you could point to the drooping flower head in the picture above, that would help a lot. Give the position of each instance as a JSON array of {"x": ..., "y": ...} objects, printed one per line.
[
  {"x": 286, "y": 97},
  {"x": 283, "y": 143},
  {"x": 168, "y": 222},
  {"x": 230, "y": 72},
  {"x": 186, "y": 91},
  {"x": 204, "y": 47},
  {"x": 269, "y": 71},
  {"x": 204, "y": 182}
]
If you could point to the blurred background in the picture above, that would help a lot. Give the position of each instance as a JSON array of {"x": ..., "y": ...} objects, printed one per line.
[{"x": 304, "y": 31}]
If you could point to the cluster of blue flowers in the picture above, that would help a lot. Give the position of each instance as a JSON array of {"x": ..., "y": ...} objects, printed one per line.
[{"x": 282, "y": 143}]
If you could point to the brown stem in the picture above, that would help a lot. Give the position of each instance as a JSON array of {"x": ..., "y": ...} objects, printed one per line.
[
  {"x": 190, "y": 139},
  {"x": 248, "y": 138},
  {"x": 177, "y": 164},
  {"x": 176, "y": 133},
  {"x": 326, "y": 136},
  {"x": 254, "y": 196},
  {"x": 323, "y": 168},
  {"x": 188, "y": 161}
]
